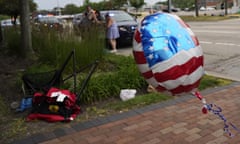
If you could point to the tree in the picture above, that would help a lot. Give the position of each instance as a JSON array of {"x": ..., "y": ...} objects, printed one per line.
[
  {"x": 86, "y": 2},
  {"x": 26, "y": 39},
  {"x": 137, "y": 3},
  {"x": 12, "y": 7},
  {"x": 183, "y": 3},
  {"x": 186, "y": 4},
  {"x": 103, "y": 5},
  {"x": 71, "y": 9},
  {"x": 119, "y": 3},
  {"x": 116, "y": 4}
]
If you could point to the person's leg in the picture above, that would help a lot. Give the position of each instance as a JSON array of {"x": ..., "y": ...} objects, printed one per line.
[
  {"x": 113, "y": 45},
  {"x": 113, "y": 41}
]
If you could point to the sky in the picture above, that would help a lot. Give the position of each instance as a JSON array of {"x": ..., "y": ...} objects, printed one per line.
[{"x": 50, "y": 4}]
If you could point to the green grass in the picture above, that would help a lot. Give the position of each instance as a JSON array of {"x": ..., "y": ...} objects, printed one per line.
[
  {"x": 211, "y": 81},
  {"x": 204, "y": 18},
  {"x": 150, "y": 98},
  {"x": 138, "y": 101},
  {"x": 117, "y": 106}
]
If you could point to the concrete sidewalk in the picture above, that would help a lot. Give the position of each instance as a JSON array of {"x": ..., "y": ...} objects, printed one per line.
[{"x": 177, "y": 121}]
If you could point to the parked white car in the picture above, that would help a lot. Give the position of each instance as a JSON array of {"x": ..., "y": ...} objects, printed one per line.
[{"x": 206, "y": 9}]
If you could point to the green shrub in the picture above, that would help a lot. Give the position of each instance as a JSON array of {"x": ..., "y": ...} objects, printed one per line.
[
  {"x": 53, "y": 48},
  {"x": 138, "y": 101},
  {"x": 113, "y": 74},
  {"x": 108, "y": 82}
]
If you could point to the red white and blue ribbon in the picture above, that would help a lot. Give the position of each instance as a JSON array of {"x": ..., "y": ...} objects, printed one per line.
[{"x": 216, "y": 110}]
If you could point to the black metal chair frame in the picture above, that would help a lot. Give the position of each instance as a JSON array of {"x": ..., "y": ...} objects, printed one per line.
[{"x": 56, "y": 79}]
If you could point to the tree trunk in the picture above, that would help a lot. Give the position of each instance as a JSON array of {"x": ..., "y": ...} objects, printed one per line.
[
  {"x": 196, "y": 8},
  {"x": 26, "y": 39}
]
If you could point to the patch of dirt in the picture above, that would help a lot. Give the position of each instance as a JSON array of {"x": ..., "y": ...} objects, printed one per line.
[
  {"x": 11, "y": 66},
  {"x": 10, "y": 91}
]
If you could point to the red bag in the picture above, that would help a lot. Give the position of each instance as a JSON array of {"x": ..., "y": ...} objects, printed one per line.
[{"x": 56, "y": 105}]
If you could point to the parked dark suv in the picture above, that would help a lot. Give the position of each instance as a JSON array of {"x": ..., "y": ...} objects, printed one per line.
[{"x": 126, "y": 25}]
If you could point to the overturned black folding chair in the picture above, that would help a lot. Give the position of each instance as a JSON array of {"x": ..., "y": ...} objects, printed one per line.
[
  {"x": 35, "y": 82},
  {"x": 48, "y": 101},
  {"x": 42, "y": 82}
]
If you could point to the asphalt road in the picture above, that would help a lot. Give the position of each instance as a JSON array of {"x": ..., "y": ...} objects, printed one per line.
[{"x": 220, "y": 42}]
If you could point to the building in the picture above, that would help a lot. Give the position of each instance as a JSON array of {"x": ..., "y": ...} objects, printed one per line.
[{"x": 217, "y": 3}]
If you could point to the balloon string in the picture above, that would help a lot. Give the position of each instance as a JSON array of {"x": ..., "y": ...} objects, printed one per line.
[{"x": 217, "y": 111}]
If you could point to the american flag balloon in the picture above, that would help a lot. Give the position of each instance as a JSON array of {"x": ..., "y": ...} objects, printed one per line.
[{"x": 168, "y": 54}]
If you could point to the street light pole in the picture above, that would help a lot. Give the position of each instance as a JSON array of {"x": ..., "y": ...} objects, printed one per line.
[
  {"x": 226, "y": 7},
  {"x": 58, "y": 8},
  {"x": 169, "y": 6}
]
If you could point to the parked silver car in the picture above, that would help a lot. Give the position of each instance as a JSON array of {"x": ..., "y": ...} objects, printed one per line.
[
  {"x": 9, "y": 23},
  {"x": 77, "y": 18},
  {"x": 47, "y": 23}
]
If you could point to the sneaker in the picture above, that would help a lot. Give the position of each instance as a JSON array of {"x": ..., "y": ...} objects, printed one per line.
[{"x": 113, "y": 51}]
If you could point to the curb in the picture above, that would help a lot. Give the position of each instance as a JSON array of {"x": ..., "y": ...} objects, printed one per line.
[{"x": 211, "y": 73}]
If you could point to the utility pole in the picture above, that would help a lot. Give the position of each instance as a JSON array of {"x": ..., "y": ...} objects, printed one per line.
[{"x": 58, "y": 9}]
